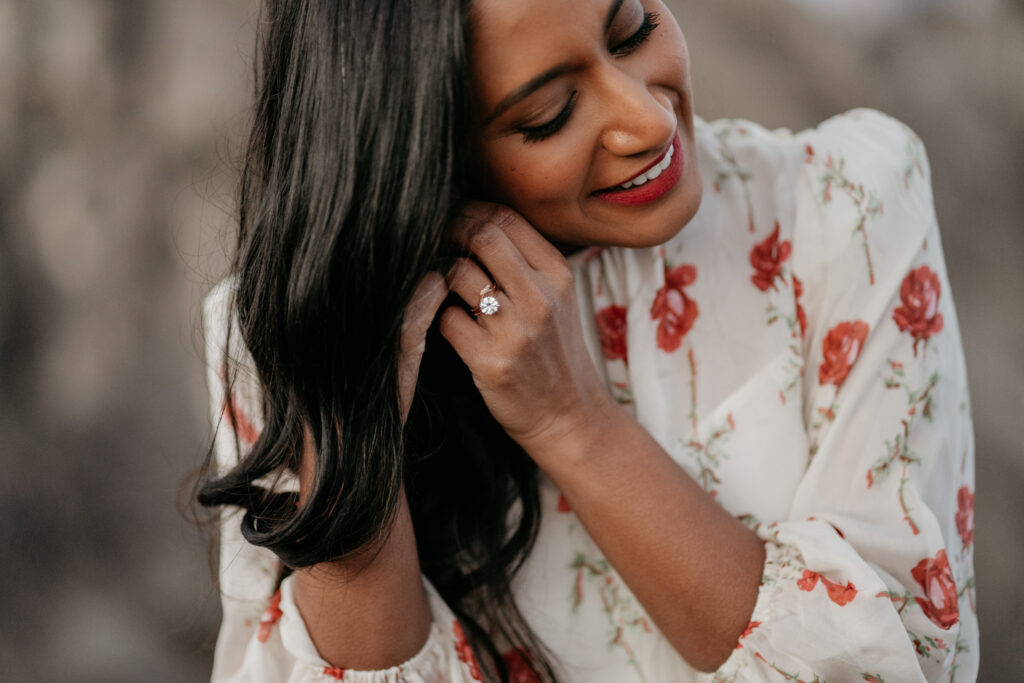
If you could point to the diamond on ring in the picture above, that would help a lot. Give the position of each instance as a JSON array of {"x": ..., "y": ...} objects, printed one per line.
[
  {"x": 489, "y": 305},
  {"x": 488, "y": 302}
]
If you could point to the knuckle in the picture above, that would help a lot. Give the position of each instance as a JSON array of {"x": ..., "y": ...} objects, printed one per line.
[
  {"x": 563, "y": 278},
  {"x": 503, "y": 217},
  {"x": 485, "y": 238},
  {"x": 544, "y": 309},
  {"x": 501, "y": 371}
]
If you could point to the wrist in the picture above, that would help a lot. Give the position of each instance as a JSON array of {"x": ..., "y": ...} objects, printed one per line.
[{"x": 577, "y": 437}]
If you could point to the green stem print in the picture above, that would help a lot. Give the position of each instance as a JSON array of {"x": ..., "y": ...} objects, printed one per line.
[
  {"x": 733, "y": 171},
  {"x": 624, "y": 614},
  {"x": 867, "y": 204},
  {"x": 919, "y": 402},
  {"x": 787, "y": 675}
]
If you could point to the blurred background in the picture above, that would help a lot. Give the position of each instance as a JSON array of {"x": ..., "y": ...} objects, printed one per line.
[{"x": 120, "y": 128}]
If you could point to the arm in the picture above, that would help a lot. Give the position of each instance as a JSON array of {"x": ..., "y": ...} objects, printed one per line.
[
  {"x": 870, "y": 575},
  {"x": 381, "y": 586},
  {"x": 851, "y": 588},
  {"x": 647, "y": 515},
  {"x": 374, "y": 591},
  {"x": 537, "y": 378}
]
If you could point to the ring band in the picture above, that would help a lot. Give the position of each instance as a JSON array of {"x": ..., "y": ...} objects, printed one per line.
[{"x": 489, "y": 303}]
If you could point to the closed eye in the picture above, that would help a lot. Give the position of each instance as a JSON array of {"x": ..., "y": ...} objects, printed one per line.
[
  {"x": 629, "y": 45},
  {"x": 546, "y": 130},
  {"x": 626, "y": 47}
]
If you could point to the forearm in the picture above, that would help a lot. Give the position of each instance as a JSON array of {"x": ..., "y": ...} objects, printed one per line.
[
  {"x": 351, "y": 608},
  {"x": 693, "y": 566}
]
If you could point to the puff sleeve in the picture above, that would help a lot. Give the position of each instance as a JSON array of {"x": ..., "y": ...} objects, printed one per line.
[
  {"x": 263, "y": 638},
  {"x": 869, "y": 577}
]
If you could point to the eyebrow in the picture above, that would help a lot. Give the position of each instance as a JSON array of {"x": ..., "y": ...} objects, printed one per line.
[{"x": 537, "y": 82}]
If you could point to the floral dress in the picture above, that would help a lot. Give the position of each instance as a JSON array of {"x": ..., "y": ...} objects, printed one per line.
[{"x": 796, "y": 350}]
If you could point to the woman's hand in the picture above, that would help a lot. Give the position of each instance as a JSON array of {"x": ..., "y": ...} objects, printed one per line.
[
  {"x": 427, "y": 298},
  {"x": 528, "y": 360}
]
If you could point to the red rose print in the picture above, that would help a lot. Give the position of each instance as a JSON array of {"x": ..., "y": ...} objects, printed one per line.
[
  {"x": 837, "y": 592},
  {"x": 920, "y": 297},
  {"x": 611, "y": 325},
  {"x": 965, "y": 515},
  {"x": 270, "y": 617},
  {"x": 465, "y": 651},
  {"x": 840, "y": 349},
  {"x": 334, "y": 672},
  {"x": 750, "y": 629},
  {"x": 563, "y": 504},
  {"x": 801, "y": 314},
  {"x": 767, "y": 258},
  {"x": 940, "y": 596},
  {"x": 808, "y": 581},
  {"x": 519, "y": 669},
  {"x": 241, "y": 424},
  {"x": 675, "y": 311}
]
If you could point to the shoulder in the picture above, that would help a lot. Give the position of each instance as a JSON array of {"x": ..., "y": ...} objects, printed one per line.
[
  {"x": 737, "y": 149},
  {"x": 221, "y": 329},
  {"x": 869, "y": 133},
  {"x": 232, "y": 380},
  {"x": 869, "y": 148},
  {"x": 863, "y": 199},
  {"x": 217, "y": 306}
]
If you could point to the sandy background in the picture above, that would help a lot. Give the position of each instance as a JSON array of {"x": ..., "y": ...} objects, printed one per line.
[{"x": 119, "y": 126}]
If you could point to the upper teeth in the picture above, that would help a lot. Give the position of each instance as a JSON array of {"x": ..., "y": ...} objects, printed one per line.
[{"x": 651, "y": 173}]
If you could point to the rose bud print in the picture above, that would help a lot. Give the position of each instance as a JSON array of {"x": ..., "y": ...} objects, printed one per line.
[
  {"x": 840, "y": 349},
  {"x": 940, "y": 595},
  {"x": 919, "y": 295},
  {"x": 767, "y": 258},
  {"x": 611, "y": 325},
  {"x": 675, "y": 311},
  {"x": 965, "y": 515}
]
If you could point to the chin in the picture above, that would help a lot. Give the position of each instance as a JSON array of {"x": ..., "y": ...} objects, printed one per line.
[{"x": 666, "y": 223}]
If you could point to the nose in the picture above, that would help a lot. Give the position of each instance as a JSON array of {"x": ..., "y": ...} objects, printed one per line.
[{"x": 640, "y": 119}]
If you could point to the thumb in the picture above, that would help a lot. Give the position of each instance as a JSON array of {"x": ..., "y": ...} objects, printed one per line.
[{"x": 428, "y": 296}]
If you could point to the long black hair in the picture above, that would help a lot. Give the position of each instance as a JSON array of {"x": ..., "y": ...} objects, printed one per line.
[{"x": 356, "y": 161}]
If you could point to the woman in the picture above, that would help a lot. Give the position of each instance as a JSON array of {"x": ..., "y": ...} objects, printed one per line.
[{"x": 615, "y": 449}]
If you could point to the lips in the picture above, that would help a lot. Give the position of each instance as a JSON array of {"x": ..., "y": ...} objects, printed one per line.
[{"x": 652, "y": 182}]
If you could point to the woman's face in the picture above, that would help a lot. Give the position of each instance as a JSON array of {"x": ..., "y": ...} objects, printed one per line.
[{"x": 576, "y": 98}]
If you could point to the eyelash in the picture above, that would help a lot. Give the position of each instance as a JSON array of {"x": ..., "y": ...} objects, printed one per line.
[
  {"x": 546, "y": 130},
  {"x": 642, "y": 34},
  {"x": 627, "y": 47}
]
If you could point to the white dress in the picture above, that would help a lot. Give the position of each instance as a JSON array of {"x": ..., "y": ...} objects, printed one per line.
[{"x": 796, "y": 350}]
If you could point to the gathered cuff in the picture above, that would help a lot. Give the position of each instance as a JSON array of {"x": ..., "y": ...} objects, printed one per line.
[{"x": 438, "y": 660}]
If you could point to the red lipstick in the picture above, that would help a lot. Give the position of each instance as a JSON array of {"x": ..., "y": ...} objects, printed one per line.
[{"x": 652, "y": 189}]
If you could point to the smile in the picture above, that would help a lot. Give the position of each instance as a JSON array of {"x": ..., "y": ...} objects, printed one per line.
[
  {"x": 651, "y": 173},
  {"x": 652, "y": 182}
]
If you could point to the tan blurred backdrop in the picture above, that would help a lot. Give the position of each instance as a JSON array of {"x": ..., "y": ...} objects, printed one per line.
[{"x": 120, "y": 123}]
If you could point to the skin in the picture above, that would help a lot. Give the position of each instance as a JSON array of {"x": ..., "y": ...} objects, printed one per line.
[
  {"x": 627, "y": 109},
  {"x": 694, "y": 567}
]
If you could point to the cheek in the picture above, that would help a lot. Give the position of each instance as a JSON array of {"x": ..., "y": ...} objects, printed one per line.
[{"x": 529, "y": 176}]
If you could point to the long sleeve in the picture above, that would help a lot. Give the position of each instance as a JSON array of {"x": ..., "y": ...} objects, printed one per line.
[
  {"x": 263, "y": 637},
  {"x": 246, "y": 573},
  {"x": 869, "y": 576}
]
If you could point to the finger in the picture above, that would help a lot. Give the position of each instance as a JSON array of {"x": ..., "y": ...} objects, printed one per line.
[
  {"x": 467, "y": 279},
  {"x": 534, "y": 247},
  {"x": 426, "y": 299},
  {"x": 485, "y": 238},
  {"x": 463, "y": 333}
]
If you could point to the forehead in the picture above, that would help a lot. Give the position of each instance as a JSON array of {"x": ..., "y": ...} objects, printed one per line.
[{"x": 513, "y": 40}]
